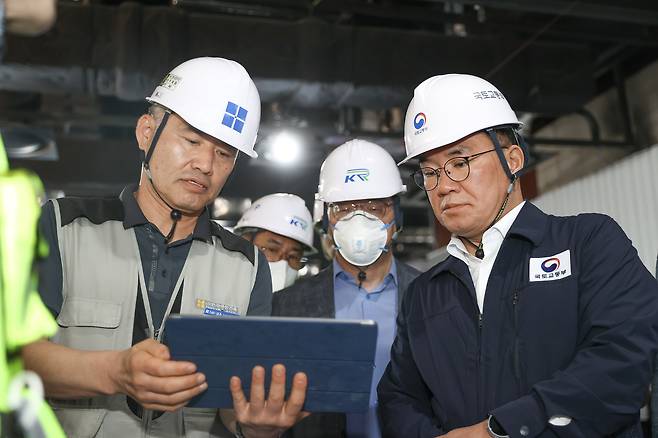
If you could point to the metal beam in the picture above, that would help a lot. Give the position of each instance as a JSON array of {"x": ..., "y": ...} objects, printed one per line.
[
  {"x": 44, "y": 79},
  {"x": 576, "y": 142},
  {"x": 307, "y": 52},
  {"x": 420, "y": 15},
  {"x": 277, "y": 10},
  {"x": 282, "y": 9},
  {"x": 640, "y": 36},
  {"x": 620, "y": 14}
]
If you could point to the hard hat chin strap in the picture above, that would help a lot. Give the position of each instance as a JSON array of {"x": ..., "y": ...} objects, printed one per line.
[
  {"x": 146, "y": 158},
  {"x": 499, "y": 151},
  {"x": 175, "y": 214},
  {"x": 479, "y": 249},
  {"x": 501, "y": 156}
]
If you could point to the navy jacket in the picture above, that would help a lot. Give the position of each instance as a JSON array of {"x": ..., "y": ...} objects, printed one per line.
[{"x": 580, "y": 346}]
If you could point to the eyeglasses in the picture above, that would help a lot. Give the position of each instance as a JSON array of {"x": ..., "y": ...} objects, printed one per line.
[
  {"x": 376, "y": 207},
  {"x": 457, "y": 169},
  {"x": 276, "y": 253}
]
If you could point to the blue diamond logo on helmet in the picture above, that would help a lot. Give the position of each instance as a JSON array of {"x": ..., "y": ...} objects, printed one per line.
[{"x": 235, "y": 117}]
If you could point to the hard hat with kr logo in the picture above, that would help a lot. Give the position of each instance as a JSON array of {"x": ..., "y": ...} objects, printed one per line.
[
  {"x": 356, "y": 170},
  {"x": 280, "y": 213}
]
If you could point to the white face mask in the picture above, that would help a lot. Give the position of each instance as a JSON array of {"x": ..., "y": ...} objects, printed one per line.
[
  {"x": 282, "y": 275},
  {"x": 361, "y": 238}
]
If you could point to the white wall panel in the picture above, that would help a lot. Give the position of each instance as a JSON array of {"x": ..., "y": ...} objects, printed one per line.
[{"x": 626, "y": 190}]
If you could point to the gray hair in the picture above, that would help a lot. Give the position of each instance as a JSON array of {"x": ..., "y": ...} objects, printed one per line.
[{"x": 156, "y": 111}]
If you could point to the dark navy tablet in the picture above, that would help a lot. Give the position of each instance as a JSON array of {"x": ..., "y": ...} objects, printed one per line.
[{"x": 336, "y": 355}]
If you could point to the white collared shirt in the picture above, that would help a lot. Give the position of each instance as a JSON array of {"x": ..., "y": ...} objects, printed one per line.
[{"x": 492, "y": 240}]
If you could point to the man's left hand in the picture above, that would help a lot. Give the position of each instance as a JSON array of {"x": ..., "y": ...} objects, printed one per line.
[
  {"x": 478, "y": 430},
  {"x": 261, "y": 418}
]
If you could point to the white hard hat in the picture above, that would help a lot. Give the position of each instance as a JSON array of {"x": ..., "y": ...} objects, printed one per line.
[
  {"x": 280, "y": 213},
  {"x": 359, "y": 169},
  {"x": 215, "y": 96},
  {"x": 318, "y": 209},
  {"x": 447, "y": 108}
]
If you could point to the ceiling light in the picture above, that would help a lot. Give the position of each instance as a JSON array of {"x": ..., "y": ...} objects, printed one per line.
[{"x": 285, "y": 148}]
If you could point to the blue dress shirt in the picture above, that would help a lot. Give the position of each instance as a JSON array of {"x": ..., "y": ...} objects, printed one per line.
[{"x": 379, "y": 305}]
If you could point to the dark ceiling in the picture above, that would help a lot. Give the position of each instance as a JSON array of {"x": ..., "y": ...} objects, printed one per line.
[{"x": 330, "y": 70}]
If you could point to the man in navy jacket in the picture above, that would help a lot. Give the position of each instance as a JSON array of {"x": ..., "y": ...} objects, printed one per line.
[{"x": 535, "y": 325}]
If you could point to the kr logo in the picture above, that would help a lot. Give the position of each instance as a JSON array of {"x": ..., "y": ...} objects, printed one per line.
[
  {"x": 356, "y": 175},
  {"x": 298, "y": 222}
]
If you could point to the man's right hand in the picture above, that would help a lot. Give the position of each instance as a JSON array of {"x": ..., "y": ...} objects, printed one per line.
[{"x": 146, "y": 373}]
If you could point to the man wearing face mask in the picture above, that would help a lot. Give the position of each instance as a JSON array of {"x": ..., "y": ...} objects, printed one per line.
[
  {"x": 360, "y": 187},
  {"x": 280, "y": 226}
]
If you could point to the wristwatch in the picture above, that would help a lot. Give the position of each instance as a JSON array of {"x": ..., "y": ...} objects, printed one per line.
[{"x": 494, "y": 428}]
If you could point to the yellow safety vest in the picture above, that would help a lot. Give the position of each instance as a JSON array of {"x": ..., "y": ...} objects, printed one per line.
[{"x": 23, "y": 316}]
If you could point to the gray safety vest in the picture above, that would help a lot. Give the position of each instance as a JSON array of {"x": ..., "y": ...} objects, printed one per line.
[{"x": 102, "y": 273}]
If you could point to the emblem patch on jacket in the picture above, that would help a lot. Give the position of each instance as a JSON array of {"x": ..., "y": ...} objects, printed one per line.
[
  {"x": 550, "y": 268},
  {"x": 215, "y": 309}
]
